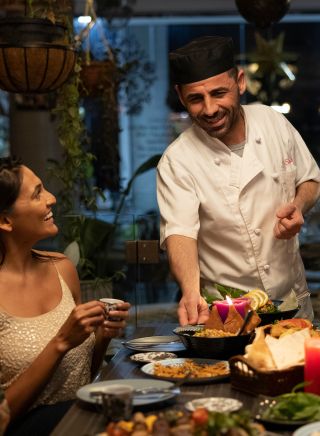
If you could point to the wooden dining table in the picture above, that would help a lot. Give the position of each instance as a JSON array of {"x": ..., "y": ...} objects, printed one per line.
[{"x": 85, "y": 419}]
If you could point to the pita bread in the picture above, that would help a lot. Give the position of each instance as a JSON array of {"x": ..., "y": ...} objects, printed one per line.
[
  {"x": 258, "y": 354},
  {"x": 288, "y": 350},
  {"x": 234, "y": 320},
  {"x": 214, "y": 321}
]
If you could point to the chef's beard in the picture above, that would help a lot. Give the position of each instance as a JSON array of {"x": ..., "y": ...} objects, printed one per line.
[{"x": 231, "y": 116}]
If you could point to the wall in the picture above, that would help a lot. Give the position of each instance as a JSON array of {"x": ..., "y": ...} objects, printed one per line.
[
  {"x": 148, "y": 131},
  {"x": 163, "y": 7},
  {"x": 33, "y": 138}
]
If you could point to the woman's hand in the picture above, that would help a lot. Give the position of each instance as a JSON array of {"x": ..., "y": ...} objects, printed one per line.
[
  {"x": 115, "y": 321},
  {"x": 82, "y": 321}
]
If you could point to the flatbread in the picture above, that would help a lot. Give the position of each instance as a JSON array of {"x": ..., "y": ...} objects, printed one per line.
[
  {"x": 214, "y": 322},
  {"x": 289, "y": 349},
  {"x": 234, "y": 320},
  {"x": 258, "y": 354}
]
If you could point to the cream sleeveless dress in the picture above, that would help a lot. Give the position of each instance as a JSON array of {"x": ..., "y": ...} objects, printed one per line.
[{"x": 22, "y": 339}]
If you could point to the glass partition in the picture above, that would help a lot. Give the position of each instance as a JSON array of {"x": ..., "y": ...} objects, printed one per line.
[{"x": 119, "y": 256}]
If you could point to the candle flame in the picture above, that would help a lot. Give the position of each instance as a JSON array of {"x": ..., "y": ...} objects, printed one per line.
[{"x": 229, "y": 300}]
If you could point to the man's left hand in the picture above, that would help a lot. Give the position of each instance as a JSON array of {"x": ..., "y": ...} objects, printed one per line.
[{"x": 289, "y": 221}]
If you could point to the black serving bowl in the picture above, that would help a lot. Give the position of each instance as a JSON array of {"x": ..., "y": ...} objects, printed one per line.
[
  {"x": 212, "y": 348},
  {"x": 270, "y": 318}
]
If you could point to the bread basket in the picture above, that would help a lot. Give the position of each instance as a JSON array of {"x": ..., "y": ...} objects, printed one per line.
[{"x": 246, "y": 378}]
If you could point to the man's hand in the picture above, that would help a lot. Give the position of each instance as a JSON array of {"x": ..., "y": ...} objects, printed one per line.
[
  {"x": 290, "y": 221},
  {"x": 193, "y": 309}
]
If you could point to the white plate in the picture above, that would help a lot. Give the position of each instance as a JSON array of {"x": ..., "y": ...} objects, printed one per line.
[
  {"x": 214, "y": 404},
  {"x": 155, "y": 343},
  {"x": 139, "y": 400},
  {"x": 149, "y": 370},
  {"x": 152, "y": 356},
  {"x": 308, "y": 430}
]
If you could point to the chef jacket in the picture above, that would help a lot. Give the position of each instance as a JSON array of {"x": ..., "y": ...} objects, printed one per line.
[{"x": 228, "y": 203}]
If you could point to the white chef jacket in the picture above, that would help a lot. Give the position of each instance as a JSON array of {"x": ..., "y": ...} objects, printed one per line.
[{"x": 228, "y": 203}]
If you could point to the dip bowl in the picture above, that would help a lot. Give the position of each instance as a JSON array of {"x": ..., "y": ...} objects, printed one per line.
[{"x": 212, "y": 347}]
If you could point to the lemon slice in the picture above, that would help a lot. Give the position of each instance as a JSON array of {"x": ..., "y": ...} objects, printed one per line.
[
  {"x": 254, "y": 302},
  {"x": 257, "y": 296},
  {"x": 260, "y": 298},
  {"x": 263, "y": 295}
]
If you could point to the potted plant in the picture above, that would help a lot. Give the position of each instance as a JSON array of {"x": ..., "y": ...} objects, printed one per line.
[
  {"x": 36, "y": 51},
  {"x": 86, "y": 238},
  {"x": 113, "y": 69}
]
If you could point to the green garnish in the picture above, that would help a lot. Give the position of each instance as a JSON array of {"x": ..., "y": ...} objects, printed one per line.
[
  {"x": 224, "y": 291},
  {"x": 294, "y": 406},
  {"x": 222, "y": 423}
]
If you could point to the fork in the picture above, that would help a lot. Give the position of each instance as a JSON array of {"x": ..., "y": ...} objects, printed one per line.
[{"x": 152, "y": 390}]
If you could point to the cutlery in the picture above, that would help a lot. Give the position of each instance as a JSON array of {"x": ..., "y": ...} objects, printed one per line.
[
  {"x": 245, "y": 322},
  {"x": 153, "y": 390},
  {"x": 137, "y": 342}
]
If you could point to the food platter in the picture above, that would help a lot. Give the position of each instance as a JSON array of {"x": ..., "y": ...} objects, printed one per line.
[
  {"x": 86, "y": 393},
  {"x": 271, "y": 317},
  {"x": 152, "y": 356},
  {"x": 155, "y": 343},
  {"x": 308, "y": 430},
  {"x": 263, "y": 405},
  {"x": 221, "y": 348},
  {"x": 150, "y": 367},
  {"x": 214, "y": 404}
]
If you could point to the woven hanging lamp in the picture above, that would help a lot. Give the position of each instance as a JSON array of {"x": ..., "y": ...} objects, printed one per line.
[{"x": 35, "y": 55}]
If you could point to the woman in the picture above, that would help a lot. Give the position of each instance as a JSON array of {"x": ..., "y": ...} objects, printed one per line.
[
  {"x": 4, "y": 413},
  {"x": 50, "y": 343}
]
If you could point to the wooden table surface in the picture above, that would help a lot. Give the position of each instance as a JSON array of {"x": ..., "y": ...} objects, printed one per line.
[{"x": 85, "y": 420}]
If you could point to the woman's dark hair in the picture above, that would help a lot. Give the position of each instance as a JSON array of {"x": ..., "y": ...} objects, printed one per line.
[
  {"x": 10, "y": 182},
  {"x": 10, "y": 185}
]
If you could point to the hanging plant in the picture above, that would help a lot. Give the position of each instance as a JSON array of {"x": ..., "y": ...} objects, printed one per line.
[
  {"x": 263, "y": 13},
  {"x": 115, "y": 72},
  {"x": 36, "y": 54}
]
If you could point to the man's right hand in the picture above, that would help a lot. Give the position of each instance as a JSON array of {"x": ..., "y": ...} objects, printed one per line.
[{"x": 193, "y": 309}]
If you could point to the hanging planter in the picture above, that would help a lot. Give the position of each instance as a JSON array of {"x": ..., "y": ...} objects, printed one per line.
[
  {"x": 98, "y": 76},
  {"x": 35, "y": 56},
  {"x": 263, "y": 13}
]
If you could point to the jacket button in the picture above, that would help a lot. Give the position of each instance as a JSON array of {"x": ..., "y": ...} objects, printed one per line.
[
  {"x": 266, "y": 267},
  {"x": 257, "y": 232},
  {"x": 275, "y": 176},
  {"x": 258, "y": 140},
  {"x": 217, "y": 161}
]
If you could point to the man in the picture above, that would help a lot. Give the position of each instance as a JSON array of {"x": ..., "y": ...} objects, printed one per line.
[{"x": 233, "y": 188}]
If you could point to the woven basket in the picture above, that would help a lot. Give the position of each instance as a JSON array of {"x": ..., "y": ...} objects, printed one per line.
[{"x": 248, "y": 379}]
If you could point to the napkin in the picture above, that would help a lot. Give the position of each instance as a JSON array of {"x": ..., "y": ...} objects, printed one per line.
[{"x": 290, "y": 302}]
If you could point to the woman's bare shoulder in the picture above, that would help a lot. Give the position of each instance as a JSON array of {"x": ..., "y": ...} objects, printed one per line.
[{"x": 65, "y": 268}]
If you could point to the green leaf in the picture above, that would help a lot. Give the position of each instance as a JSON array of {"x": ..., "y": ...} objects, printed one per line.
[{"x": 149, "y": 164}]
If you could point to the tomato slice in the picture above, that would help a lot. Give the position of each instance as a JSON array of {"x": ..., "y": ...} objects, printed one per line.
[{"x": 200, "y": 416}]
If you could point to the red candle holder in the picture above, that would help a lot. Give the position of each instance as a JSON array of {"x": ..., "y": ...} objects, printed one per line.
[
  {"x": 240, "y": 304},
  {"x": 312, "y": 365}
]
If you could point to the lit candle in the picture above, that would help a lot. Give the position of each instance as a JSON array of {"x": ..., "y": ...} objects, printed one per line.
[
  {"x": 223, "y": 309},
  {"x": 312, "y": 365},
  {"x": 240, "y": 304}
]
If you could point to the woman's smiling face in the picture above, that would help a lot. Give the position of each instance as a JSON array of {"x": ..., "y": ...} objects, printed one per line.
[{"x": 31, "y": 215}]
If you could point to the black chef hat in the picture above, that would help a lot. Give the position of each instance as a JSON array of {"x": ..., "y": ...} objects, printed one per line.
[{"x": 201, "y": 58}]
